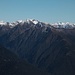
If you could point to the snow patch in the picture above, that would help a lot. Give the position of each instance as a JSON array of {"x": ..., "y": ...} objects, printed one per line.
[
  {"x": 35, "y": 22},
  {"x": 2, "y": 23}
]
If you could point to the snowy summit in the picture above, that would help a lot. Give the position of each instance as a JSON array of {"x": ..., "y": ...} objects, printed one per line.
[{"x": 66, "y": 25}]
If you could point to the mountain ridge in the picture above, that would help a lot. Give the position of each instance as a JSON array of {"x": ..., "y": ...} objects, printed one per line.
[
  {"x": 65, "y": 25},
  {"x": 42, "y": 45}
]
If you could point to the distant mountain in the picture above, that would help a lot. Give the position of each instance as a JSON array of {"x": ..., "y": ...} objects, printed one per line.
[
  {"x": 50, "y": 47},
  {"x": 66, "y": 25}
]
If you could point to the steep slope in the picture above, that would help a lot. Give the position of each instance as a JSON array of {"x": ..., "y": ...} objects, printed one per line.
[
  {"x": 10, "y": 64},
  {"x": 48, "y": 48}
]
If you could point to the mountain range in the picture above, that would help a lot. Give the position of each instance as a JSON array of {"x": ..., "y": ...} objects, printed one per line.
[{"x": 47, "y": 47}]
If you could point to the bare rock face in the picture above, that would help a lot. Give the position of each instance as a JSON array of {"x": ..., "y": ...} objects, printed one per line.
[{"x": 46, "y": 47}]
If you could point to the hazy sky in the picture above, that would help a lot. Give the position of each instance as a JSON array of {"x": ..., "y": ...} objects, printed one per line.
[{"x": 43, "y": 10}]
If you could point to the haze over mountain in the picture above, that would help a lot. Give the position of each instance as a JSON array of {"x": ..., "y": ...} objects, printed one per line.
[{"x": 49, "y": 47}]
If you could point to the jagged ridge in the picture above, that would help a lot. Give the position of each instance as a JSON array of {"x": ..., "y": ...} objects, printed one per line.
[{"x": 50, "y": 49}]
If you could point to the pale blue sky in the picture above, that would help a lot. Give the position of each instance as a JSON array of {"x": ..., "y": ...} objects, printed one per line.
[{"x": 43, "y": 10}]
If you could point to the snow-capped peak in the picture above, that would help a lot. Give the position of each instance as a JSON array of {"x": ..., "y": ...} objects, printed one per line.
[
  {"x": 38, "y": 23},
  {"x": 33, "y": 21},
  {"x": 2, "y": 23},
  {"x": 63, "y": 25}
]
